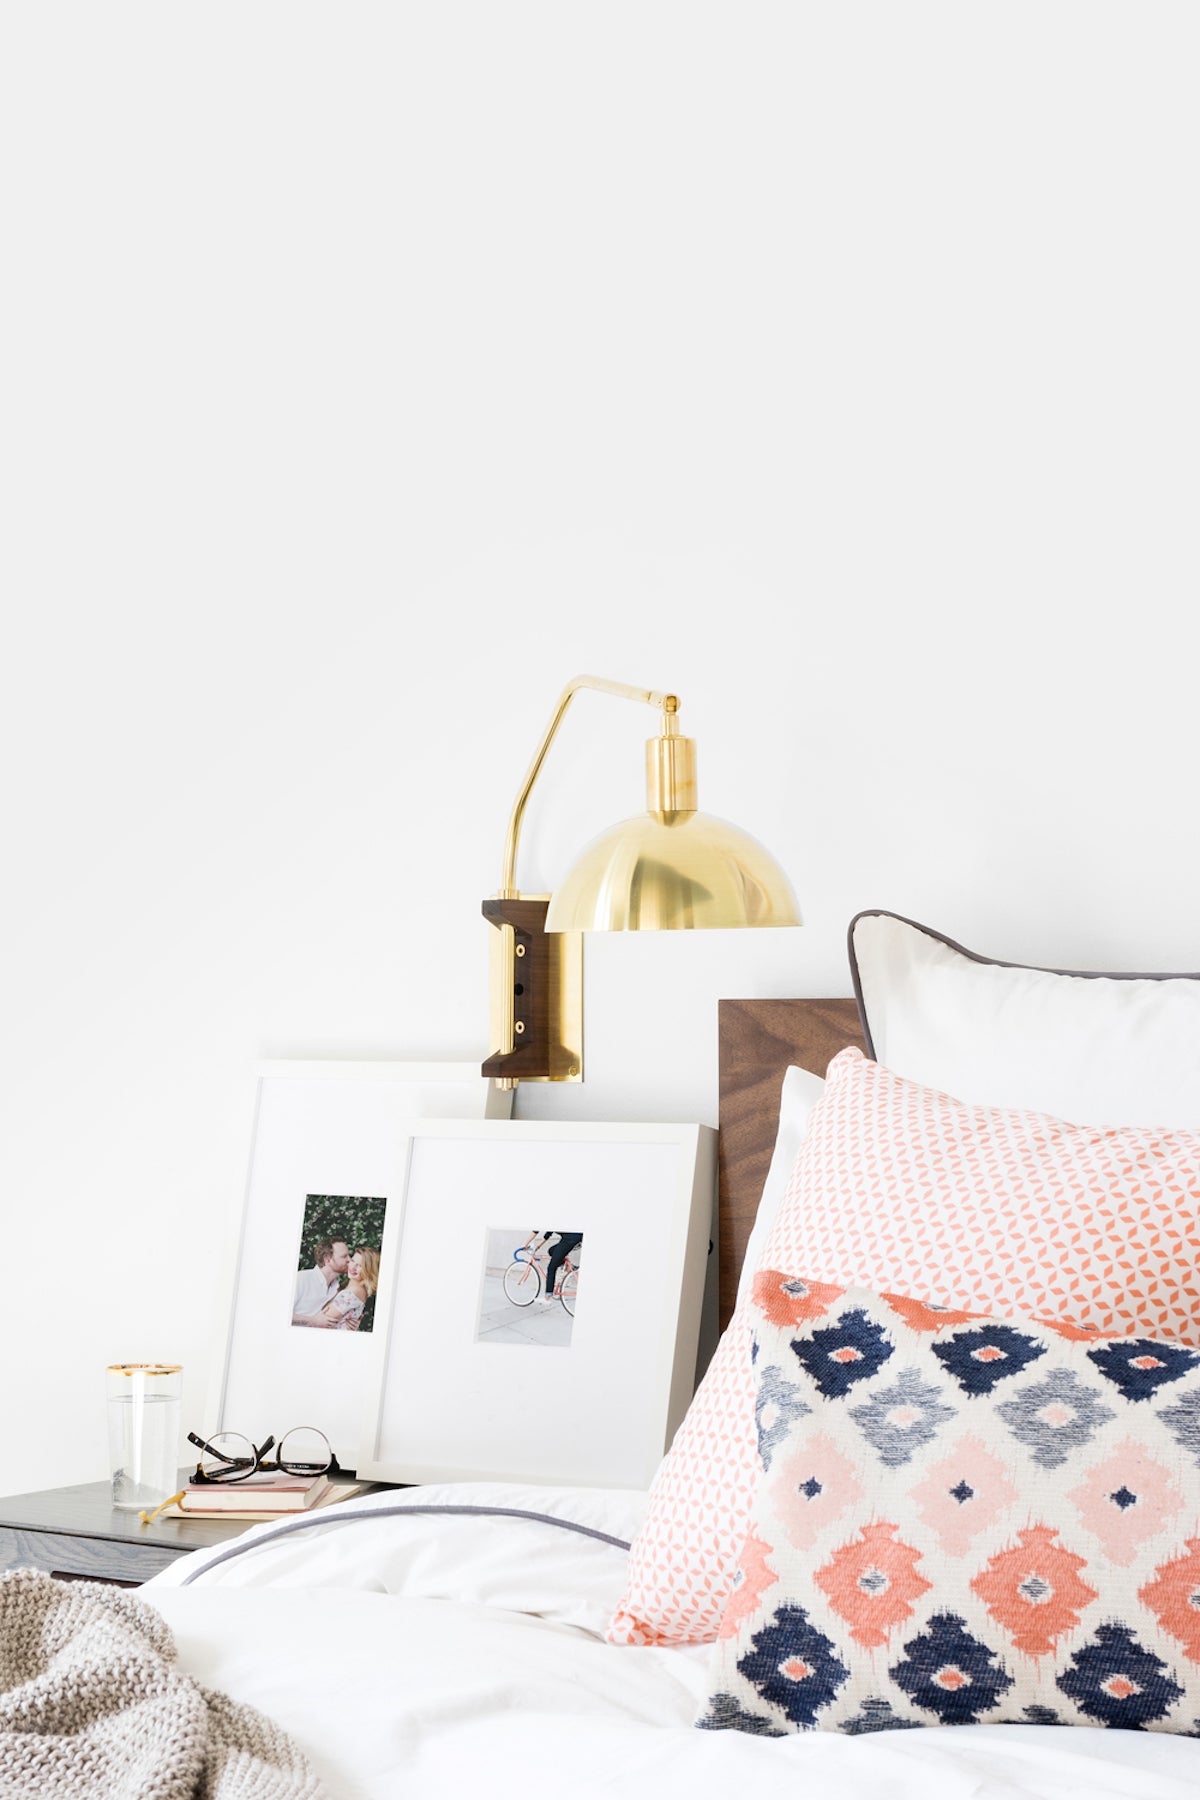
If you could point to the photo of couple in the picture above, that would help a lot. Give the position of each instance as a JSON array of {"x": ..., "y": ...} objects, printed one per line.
[{"x": 338, "y": 1269}]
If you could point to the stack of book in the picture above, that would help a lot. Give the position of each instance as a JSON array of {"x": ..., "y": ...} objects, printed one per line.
[{"x": 260, "y": 1496}]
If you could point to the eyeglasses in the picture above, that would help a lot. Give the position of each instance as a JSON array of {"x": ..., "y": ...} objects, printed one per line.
[{"x": 227, "y": 1456}]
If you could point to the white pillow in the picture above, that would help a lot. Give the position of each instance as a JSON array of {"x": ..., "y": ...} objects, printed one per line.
[
  {"x": 1104, "y": 1050},
  {"x": 799, "y": 1095},
  {"x": 487, "y": 1558}
]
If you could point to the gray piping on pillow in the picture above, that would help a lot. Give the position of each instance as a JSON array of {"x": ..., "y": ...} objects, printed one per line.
[
  {"x": 321, "y": 1517},
  {"x": 995, "y": 962}
]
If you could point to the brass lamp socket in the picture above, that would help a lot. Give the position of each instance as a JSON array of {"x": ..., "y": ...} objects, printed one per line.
[{"x": 670, "y": 777}]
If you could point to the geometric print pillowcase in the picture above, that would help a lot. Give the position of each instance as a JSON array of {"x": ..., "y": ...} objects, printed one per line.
[
  {"x": 962, "y": 1520},
  {"x": 898, "y": 1186}
]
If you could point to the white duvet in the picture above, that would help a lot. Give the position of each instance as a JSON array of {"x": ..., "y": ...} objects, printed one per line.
[{"x": 442, "y": 1654}]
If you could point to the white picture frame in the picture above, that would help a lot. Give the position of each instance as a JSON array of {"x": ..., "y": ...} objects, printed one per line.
[
  {"x": 452, "y": 1400},
  {"x": 320, "y": 1129}
]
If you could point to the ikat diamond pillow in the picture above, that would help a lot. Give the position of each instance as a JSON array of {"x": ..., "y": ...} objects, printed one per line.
[{"x": 962, "y": 1520}]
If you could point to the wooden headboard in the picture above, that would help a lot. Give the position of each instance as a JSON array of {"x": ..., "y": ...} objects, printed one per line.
[{"x": 759, "y": 1040}]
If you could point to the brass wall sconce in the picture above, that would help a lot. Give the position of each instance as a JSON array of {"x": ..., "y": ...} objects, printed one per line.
[{"x": 670, "y": 869}]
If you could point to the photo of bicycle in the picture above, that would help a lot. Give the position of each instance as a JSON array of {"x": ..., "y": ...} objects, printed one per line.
[
  {"x": 535, "y": 1278},
  {"x": 530, "y": 1287}
]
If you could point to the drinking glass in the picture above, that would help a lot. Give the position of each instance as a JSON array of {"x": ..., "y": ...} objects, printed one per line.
[{"x": 143, "y": 1432}]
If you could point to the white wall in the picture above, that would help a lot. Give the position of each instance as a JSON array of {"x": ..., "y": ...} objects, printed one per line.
[{"x": 369, "y": 371}]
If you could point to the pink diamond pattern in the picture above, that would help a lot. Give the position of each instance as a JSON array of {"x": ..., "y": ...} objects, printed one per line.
[
  {"x": 963, "y": 1493},
  {"x": 816, "y": 1485},
  {"x": 1126, "y": 1499}
]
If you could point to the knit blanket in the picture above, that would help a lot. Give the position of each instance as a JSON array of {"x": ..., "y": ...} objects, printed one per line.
[{"x": 93, "y": 1707}]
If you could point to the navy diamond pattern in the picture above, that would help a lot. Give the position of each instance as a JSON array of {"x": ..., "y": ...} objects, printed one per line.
[
  {"x": 979, "y": 1359},
  {"x": 727, "y": 1714},
  {"x": 878, "y": 1715},
  {"x": 948, "y": 1672},
  {"x": 793, "y": 1665},
  {"x": 840, "y": 1355},
  {"x": 1140, "y": 1367},
  {"x": 1118, "y": 1682}
]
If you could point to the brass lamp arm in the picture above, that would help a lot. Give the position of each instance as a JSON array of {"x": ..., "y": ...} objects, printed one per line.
[{"x": 670, "y": 706}]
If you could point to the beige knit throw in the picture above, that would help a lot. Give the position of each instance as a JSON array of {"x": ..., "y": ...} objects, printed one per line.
[{"x": 92, "y": 1707}]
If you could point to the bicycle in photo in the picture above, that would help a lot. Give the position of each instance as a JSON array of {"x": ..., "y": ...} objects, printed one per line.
[{"x": 525, "y": 1277}]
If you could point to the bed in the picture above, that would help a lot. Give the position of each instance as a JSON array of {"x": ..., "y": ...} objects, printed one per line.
[{"x": 456, "y": 1639}]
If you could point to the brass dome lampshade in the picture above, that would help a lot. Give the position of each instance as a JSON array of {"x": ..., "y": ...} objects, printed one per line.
[{"x": 672, "y": 868}]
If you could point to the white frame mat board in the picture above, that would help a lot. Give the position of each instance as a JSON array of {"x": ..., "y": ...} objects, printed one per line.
[
  {"x": 453, "y": 1398},
  {"x": 320, "y": 1129}
]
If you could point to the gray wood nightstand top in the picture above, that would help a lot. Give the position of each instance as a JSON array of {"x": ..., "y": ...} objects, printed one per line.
[{"x": 87, "y": 1511}]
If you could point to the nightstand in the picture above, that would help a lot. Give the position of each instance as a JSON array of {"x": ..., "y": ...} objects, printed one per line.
[{"x": 76, "y": 1532}]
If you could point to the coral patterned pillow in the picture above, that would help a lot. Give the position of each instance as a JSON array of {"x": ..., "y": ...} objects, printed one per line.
[
  {"x": 902, "y": 1189},
  {"x": 962, "y": 1520}
]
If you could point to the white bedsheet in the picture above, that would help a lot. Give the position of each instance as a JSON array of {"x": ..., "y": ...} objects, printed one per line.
[{"x": 436, "y": 1656}]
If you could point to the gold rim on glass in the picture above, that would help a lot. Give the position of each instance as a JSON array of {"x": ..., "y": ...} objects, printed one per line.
[{"x": 145, "y": 1368}]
